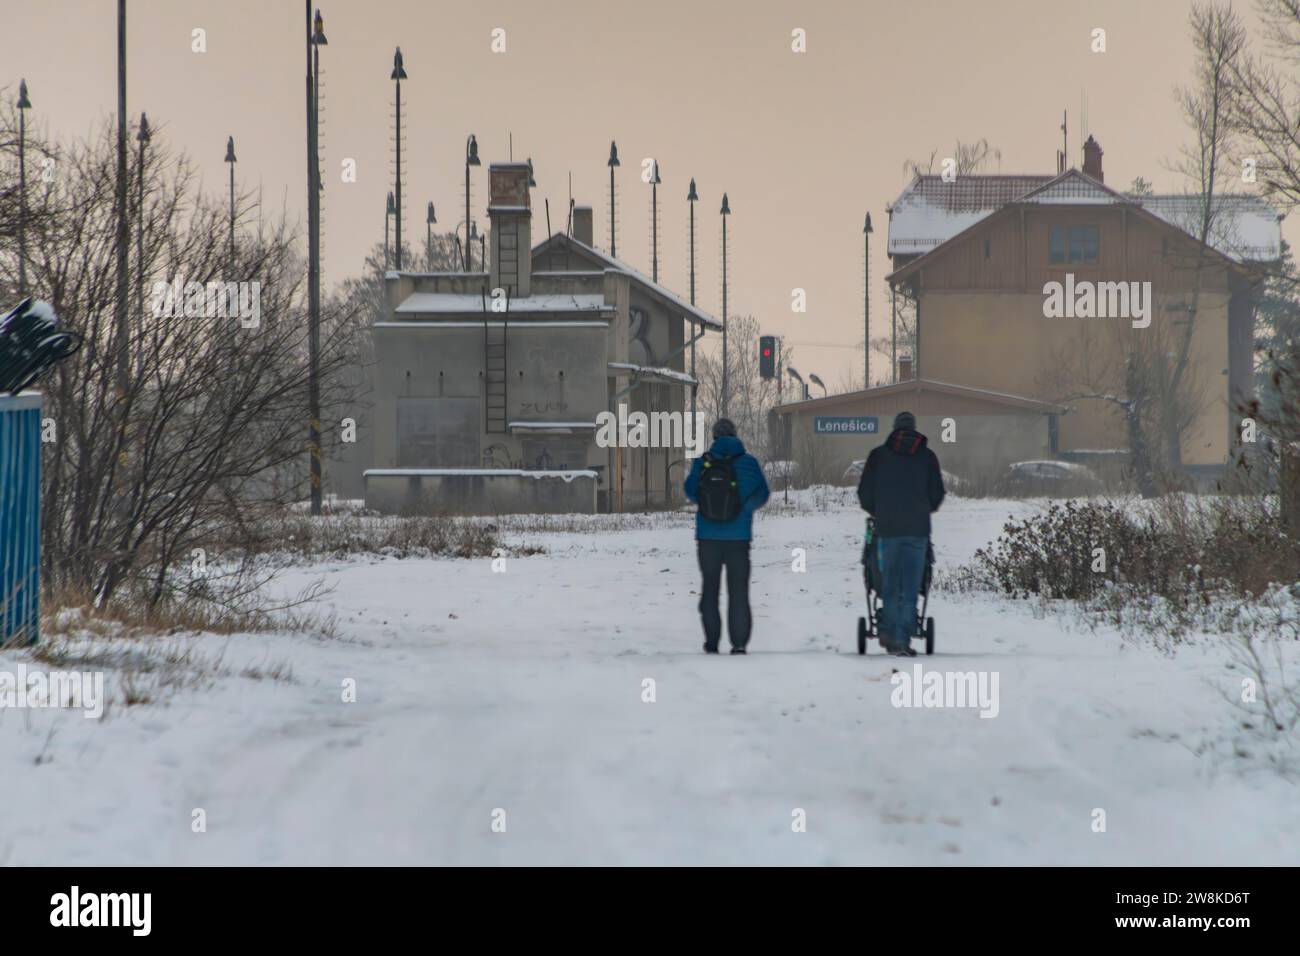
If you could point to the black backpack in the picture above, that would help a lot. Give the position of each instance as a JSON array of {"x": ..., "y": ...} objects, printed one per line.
[{"x": 719, "y": 493}]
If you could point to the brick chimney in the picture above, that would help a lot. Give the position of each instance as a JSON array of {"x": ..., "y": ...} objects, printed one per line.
[
  {"x": 905, "y": 368},
  {"x": 1092, "y": 160},
  {"x": 510, "y": 210},
  {"x": 582, "y": 225}
]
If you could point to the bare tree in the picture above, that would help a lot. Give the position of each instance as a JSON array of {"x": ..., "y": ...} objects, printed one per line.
[
  {"x": 364, "y": 296},
  {"x": 1264, "y": 104},
  {"x": 211, "y": 419},
  {"x": 1265, "y": 117},
  {"x": 752, "y": 397},
  {"x": 969, "y": 157},
  {"x": 1131, "y": 372},
  {"x": 1219, "y": 40}
]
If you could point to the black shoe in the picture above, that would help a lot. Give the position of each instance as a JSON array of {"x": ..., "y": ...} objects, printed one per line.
[
  {"x": 737, "y": 650},
  {"x": 710, "y": 650},
  {"x": 903, "y": 650}
]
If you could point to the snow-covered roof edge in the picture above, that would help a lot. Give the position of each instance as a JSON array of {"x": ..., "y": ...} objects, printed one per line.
[
  {"x": 656, "y": 372},
  {"x": 618, "y": 265}
]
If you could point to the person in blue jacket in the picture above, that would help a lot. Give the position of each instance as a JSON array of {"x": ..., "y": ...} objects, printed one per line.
[{"x": 723, "y": 542}]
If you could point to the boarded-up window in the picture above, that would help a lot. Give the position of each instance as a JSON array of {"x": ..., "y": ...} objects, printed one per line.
[{"x": 438, "y": 432}]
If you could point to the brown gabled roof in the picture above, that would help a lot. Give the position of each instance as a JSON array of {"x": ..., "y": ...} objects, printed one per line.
[
  {"x": 1070, "y": 188},
  {"x": 924, "y": 385}
]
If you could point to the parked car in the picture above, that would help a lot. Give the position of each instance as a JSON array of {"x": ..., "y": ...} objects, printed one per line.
[
  {"x": 1053, "y": 479},
  {"x": 853, "y": 474}
]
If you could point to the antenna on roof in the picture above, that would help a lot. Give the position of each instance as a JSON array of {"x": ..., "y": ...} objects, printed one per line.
[
  {"x": 1065, "y": 140},
  {"x": 569, "y": 228},
  {"x": 548, "y": 219},
  {"x": 512, "y": 146}
]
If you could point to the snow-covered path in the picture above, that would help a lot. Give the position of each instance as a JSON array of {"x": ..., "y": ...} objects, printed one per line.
[{"x": 522, "y": 692}]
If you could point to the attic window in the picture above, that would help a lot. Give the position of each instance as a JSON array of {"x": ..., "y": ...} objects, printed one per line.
[
  {"x": 1073, "y": 244},
  {"x": 986, "y": 248}
]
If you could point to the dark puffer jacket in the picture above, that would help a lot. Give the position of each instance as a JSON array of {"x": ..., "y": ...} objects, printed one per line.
[{"x": 901, "y": 485}]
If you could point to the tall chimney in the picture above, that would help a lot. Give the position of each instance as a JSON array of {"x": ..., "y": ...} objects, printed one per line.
[
  {"x": 510, "y": 210},
  {"x": 1092, "y": 160},
  {"x": 905, "y": 368},
  {"x": 582, "y": 230}
]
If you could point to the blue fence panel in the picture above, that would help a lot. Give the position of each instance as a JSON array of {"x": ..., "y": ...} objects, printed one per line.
[{"x": 20, "y": 518}]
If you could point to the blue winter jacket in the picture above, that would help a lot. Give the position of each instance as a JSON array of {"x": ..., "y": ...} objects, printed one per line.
[{"x": 749, "y": 481}]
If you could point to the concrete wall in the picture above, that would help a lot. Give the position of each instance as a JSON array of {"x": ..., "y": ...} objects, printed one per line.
[
  {"x": 481, "y": 493},
  {"x": 554, "y": 374}
]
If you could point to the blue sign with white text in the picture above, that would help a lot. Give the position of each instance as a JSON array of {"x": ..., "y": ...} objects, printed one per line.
[{"x": 850, "y": 425}]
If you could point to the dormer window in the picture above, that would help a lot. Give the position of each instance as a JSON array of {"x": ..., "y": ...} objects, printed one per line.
[{"x": 1073, "y": 244}]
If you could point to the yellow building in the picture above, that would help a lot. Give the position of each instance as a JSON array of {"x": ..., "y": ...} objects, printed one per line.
[{"x": 1060, "y": 289}]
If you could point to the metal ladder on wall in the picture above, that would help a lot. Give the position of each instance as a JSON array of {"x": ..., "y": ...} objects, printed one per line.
[{"x": 495, "y": 383}]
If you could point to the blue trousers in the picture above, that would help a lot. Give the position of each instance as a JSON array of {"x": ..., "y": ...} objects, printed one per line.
[{"x": 902, "y": 563}]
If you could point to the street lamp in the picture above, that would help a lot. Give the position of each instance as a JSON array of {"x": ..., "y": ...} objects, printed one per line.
[
  {"x": 691, "y": 199},
  {"x": 142, "y": 137},
  {"x": 471, "y": 159},
  {"x": 482, "y": 244},
  {"x": 430, "y": 221},
  {"x": 866, "y": 303},
  {"x": 725, "y": 212},
  {"x": 122, "y": 239},
  {"x": 654, "y": 222},
  {"x": 398, "y": 74},
  {"x": 389, "y": 210},
  {"x": 790, "y": 370},
  {"x": 613, "y": 163},
  {"x": 230, "y": 158},
  {"x": 24, "y": 104},
  {"x": 316, "y": 40},
  {"x": 818, "y": 382},
  {"x": 397, "y": 77}
]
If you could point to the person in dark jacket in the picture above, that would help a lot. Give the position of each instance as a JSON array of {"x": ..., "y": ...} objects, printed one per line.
[
  {"x": 901, "y": 487},
  {"x": 725, "y": 544}
]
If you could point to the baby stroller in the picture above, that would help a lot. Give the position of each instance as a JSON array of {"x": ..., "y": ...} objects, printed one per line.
[{"x": 869, "y": 626}]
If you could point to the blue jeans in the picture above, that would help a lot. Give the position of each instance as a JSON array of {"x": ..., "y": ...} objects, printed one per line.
[{"x": 902, "y": 563}]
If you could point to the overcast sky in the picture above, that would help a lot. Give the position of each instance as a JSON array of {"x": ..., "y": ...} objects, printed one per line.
[{"x": 804, "y": 143}]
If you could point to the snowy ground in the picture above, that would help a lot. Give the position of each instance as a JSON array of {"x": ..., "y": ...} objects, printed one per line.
[{"x": 522, "y": 691}]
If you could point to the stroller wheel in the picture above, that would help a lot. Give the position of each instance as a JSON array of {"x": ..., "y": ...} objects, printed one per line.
[
  {"x": 862, "y": 635},
  {"x": 929, "y": 635}
]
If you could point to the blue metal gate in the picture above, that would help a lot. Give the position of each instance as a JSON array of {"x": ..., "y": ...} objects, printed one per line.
[{"x": 20, "y": 518}]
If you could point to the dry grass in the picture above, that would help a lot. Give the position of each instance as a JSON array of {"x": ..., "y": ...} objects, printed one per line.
[{"x": 283, "y": 532}]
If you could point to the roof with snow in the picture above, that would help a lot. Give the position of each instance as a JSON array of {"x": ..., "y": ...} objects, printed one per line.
[
  {"x": 930, "y": 211},
  {"x": 922, "y": 385},
  {"x": 655, "y": 374},
  {"x": 690, "y": 312},
  {"x": 1245, "y": 228},
  {"x": 456, "y": 303}
]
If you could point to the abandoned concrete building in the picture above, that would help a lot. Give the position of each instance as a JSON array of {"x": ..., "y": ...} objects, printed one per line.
[{"x": 486, "y": 386}]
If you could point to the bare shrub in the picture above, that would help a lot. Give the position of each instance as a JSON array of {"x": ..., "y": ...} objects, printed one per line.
[{"x": 1185, "y": 552}]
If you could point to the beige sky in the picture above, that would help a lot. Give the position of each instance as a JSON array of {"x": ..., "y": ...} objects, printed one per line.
[{"x": 805, "y": 144}]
